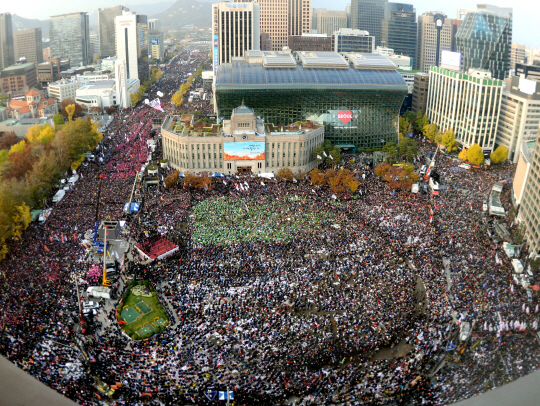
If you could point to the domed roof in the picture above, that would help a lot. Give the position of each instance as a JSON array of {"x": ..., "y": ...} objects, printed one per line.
[{"x": 243, "y": 109}]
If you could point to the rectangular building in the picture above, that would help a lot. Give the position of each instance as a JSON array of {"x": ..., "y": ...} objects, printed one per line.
[
  {"x": 517, "y": 55},
  {"x": 468, "y": 103},
  {"x": 434, "y": 35},
  {"x": 236, "y": 29},
  {"x": 156, "y": 46},
  {"x": 528, "y": 71},
  {"x": 310, "y": 42},
  {"x": 529, "y": 211},
  {"x": 520, "y": 114},
  {"x": 274, "y": 21},
  {"x": 50, "y": 71},
  {"x": 330, "y": 21},
  {"x": 351, "y": 40},
  {"x": 63, "y": 89},
  {"x": 399, "y": 29},
  {"x": 7, "y": 49},
  {"x": 132, "y": 43},
  {"x": 20, "y": 77},
  {"x": 70, "y": 38},
  {"x": 299, "y": 14},
  {"x": 368, "y": 15},
  {"x": 28, "y": 44},
  {"x": 420, "y": 92},
  {"x": 107, "y": 27}
]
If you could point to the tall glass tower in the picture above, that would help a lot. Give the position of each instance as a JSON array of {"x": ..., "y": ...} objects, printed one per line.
[
  {"x": 368, "y": 15},
  {"x": 485, "y": 40},
  {"x": 70, "y": 37},
  {"x": 399, "y": 29}
]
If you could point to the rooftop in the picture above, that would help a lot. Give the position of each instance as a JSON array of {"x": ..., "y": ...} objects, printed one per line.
[
  {"x": 370, "y": 61},
  {"x": 312, "y": 59}
]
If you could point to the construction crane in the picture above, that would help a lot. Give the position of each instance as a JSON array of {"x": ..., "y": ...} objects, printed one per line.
[{"x": 98, "y": 245}]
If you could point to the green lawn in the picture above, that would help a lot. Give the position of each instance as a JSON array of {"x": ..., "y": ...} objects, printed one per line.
[{"x": 145, "y": 314}]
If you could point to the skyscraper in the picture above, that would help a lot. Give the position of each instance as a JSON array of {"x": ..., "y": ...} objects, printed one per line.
[
  {"x": 154, "y": 25},
  {"x": 132, "y": 43},
  {"x": 484, "y": 40},
  {"x": 70, "y": 37},
  {"x": 106, "y": 29},
  {"x": 399, "y": 29},
  {"x": 299, "y": 17},
  {"x": 330, "y": 21},
  {"x": 517, "y": 55},
  {"x": 28, "y": 45},
  {"x": 235, "y": 30},
  {"x": 367, "y": 15},
  {"x": 529, "y": 211},
  {"x": 434, "y": 36},
  {"x": 7, "y": 51},
  {"x": 274, "y": 21}
]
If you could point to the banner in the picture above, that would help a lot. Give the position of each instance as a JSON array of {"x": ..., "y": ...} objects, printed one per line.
[{"x": 242, "y": 151}]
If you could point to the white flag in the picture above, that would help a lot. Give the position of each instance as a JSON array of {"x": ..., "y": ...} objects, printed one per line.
[
  {"x": 334, "y": 197},
  {"x": 294, "y": 180},
  {"x": 331, "y": 157},
  {"x": 225, "y": 183},
  {"x": 159, "y": 94},
  {"x": 319, "y": 157},
  {"x": 262, "y": 183},
  {"x": 324, "y": 153}
]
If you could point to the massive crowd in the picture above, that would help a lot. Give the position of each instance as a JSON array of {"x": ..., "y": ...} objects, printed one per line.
[{"x": 280, "y": 292}]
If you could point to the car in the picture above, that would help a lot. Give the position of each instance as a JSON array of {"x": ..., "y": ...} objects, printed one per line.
[
  {"x": 90, "y": 305},
  {"x": 423, "y": 170},
  {"x": 89, "y": 312},
  {"x": 464, "y": 331}
]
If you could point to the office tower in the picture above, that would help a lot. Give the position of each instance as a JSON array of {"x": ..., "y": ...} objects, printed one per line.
[
  {"x": 132, "y": 43},
  {"x": 434, "y": 36},
  {"x": 299, "y": 17},
  {"x": 367, "y": 15},
  {"x": 236, "y": 29},
  {"x": 28, "y": 45},
  {"x": 156, "y": 48},
  {"x": 107, "y": 29},
  {"x": 314, "y": 19},
  {"x": 399, "y": 29},
  {"x": 18, "y": 77},
  {"x": 519, "y": 118},
  {"x": 517, "y": 55},
  {"x": 94, "y": 45},
  {"x": 70, "y": 37},
  {"x": 420, "y": 92},
  {"x": 528, "y": 71},
  {"x": 348, "y": 12},
  {"x": 154, "y": 25},
  {"x": 484, "y": 40},
  {"x": 266, "y": 42},
  {"x": 351, "y": 40},
  {"x": 468, "y": 103},
  {"x": 529, "y": 211},
  {"x": 273, "y": 21},
  {"x": 330, "y": 21},
  {"x": 7, "y": 50}
]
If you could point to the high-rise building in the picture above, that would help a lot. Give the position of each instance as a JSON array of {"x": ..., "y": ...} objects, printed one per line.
[
  {"x": 154, "y": 25},
  {"x": 274, "y": 21},
  {"x": 314, "y": 19},
  {"x": 434, "y": 36},
  {"x": 156, "y": 47},
  {"x": 351, "y": 40},
  {"x": 70, "y": 37},
  {"x": 420, "y": 92},
  {"x": 368, "y": 15},
  {"x": 529, "y": 211},
  {"x": 330, "y": 21},
  {"x": 348, "y": 12},
  {"x": 517, "y": 55},
  {"x": 28, "y": 45},
  {"x": 467, "y": 103},
  {"x": 132, "y": 43},
  {"x": 399, "y": 29},
  {"x": 266, "y": 42},
  {"x": 310, "y": 42},
  {"x": 520, "y": 114},
  {"x": 528, "y": 71},
  {"x": 7, "y": 49},
  {"x": 484, "y": 40},
  {"x": 94, "y": 45},
  {"x": 299, "y": 14},
  {"x": 107, "y": 29},
  {"x": 236, "y": 29}
]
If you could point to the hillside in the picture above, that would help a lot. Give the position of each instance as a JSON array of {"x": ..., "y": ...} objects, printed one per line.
[
  {"x": 185, "y": 12},
  {"x": 21, "y": 23}
]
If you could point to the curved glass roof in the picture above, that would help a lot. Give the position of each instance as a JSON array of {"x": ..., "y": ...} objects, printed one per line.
[{"x": 255, "y": 76}]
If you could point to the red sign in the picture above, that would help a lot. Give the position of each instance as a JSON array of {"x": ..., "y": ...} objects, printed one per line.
[{"x": 345, "y": 116}]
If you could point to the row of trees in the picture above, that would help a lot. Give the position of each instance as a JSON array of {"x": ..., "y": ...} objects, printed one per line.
[
  {"x": 339, "y": 181},
  {"x": 475, "y": 155},
  {"x": 406, "y": 149},
  {"x": 155, "y": 75},
  {"x": 189, "y": 180},
  {"x": 400, "y": 176},
  {"x": 178, "y": 97},
  {"x": 30, "y": 168}
]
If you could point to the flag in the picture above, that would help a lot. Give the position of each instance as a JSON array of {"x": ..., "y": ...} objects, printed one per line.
[
  {"x": 262, "y": 183},
  {"x": 45, "y": 248},
  {"x": 512, "y": 288},
  {"x": 527, "y": 310},
  {"x": 294, "y": 180},
  {"x": 334, "y": 197},
  {"x": 331, "y": 157},
  {"x": 536, "y": 310},
  {"x": 155, "y": 104},
  {"x": 319, "y": 157},
  {"x": 82, "y": 176},
  {"x": 225, "y": 183}
]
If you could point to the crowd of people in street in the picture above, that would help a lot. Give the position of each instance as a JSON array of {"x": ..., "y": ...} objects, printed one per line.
[{"x": 281, "y": 290}]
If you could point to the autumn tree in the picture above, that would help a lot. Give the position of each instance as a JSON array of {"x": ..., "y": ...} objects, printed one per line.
[
  {"x": 475, "y": 155},
  {"x": 390, "y": 149},
  {"x": 317, "y": 177},
  {"x": 448, "y": 140},
  {"x": 430, "y": 131},
  {"x": 78, "y": 112},
  {"x": 381, "y": 169},
  {"x": 463, "y": 154},
  {"x": 172, "y": 179},
  {"x": 285, "y": 174},
  {"x": 19, "y": 163},
  {"x": 177, "y": 99},
  {"x": 404, "y": 125},
  {"x": 7, "y": 140},
  {"x": 499, "y": 155}
]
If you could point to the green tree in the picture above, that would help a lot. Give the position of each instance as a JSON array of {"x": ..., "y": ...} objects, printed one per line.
[
  {"x": 403, "y": 127},
  {"x": 420, "y": 122},
  {"x": 475, "y": 155},
  {"x": 499, "y": 155},
  {"x": 519, "y": 236},
  {"x": 3, "y": 99},
  {"x": 449, "y": 140},
  {"x": 58, "y": 119},
  {"x": 430, "y": 131},
  {"x": 390, "y": 149},
  {"x": 407, "y": 148}
]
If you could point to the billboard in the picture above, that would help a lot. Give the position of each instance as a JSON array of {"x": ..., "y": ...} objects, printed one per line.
[
  {"x": 216, "y": 54},
  {"x": 208, "y": 74},
  {"x": 527, "y": 86},
  {"x": 155, "y": 41},
  {"x": 243, "y": 151},
  {"x": 451, "y": 58}
]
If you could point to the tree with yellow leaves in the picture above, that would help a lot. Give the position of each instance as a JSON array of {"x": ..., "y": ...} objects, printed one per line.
[
  {"x": 475, "y": 155},
  {"x": 177, "y": 98},
  {"x": 19, "y": 147},
  {"x": 70, "y": 110},
  {"x": 463, "y": 155},
  {"x": 21, "y": 220}
]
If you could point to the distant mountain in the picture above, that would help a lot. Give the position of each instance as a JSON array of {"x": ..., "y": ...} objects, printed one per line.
[
  {"x": 21, "y": 23},
  {"x": 145, "y": 9},
  {"x": 185, "y": 12}
]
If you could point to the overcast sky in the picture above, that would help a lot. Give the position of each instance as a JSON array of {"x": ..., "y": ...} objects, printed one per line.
[{"x": 526, "y": 26}]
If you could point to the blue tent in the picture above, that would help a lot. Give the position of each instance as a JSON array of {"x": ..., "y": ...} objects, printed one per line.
[
  {"x": 218, "y": 175},
  {"x": 134, "y": 207},
  {"x": 181, "y": 174}
]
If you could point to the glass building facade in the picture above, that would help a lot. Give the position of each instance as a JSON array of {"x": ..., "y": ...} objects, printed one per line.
[
  {"x": 399, "y": 29},
  {"x": 484, "y": 41},
  {"x": 368, "y": 15},
  {"x": 70, "y": 37},
  {"x": 356, "y": 106}
]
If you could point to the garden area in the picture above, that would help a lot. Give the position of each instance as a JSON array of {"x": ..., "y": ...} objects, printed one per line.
[{"x": 140, "y": 313}]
